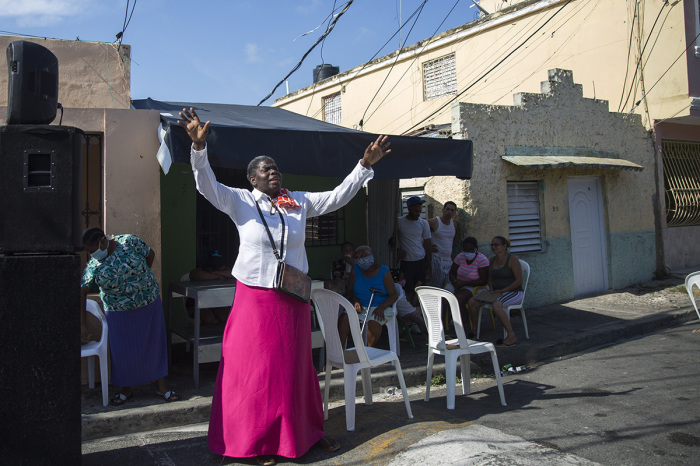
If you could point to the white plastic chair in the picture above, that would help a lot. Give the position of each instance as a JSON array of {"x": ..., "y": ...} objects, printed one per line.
[
  {"x": 353, "y": 360},
  {"x": 693, "y": 280},
  {"x": 526, "y": 277},
  {"x": 460, "y": 348},
  {"x": 99, "y": 349}
]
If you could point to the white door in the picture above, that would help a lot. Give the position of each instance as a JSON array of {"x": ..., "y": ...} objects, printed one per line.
[{"x": 587, "y": 236}]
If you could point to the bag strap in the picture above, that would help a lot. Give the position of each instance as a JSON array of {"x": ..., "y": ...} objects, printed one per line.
[{"x": 278, "y": 254}]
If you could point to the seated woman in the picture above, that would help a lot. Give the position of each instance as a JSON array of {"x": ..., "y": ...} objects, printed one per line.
[
  {"x": 469, "y": 270},
  {"x": 366, "y": 276},
  {"x": 214, "y": 269},
  {"x": 408, "y": 312},
  {"x": 505, "y": 283}
]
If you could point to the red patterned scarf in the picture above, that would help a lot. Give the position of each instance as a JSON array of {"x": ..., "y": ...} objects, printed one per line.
[{"x": 285, "y": 200}]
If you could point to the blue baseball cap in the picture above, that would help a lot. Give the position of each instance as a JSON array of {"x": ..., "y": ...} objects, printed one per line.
[{"x": 411, "y": 201}]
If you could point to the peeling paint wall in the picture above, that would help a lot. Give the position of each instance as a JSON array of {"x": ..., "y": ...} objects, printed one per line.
[{"x": 560, "y": 117}]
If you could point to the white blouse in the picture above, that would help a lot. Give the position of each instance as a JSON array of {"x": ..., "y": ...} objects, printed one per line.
[{"x": 256, "y": 263}]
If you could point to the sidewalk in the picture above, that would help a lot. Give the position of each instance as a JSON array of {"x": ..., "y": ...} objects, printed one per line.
[{"x": 556, "y": 331}]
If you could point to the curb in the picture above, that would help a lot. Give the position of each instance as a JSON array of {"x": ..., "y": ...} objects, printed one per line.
[{"x": 197, "y": 409}]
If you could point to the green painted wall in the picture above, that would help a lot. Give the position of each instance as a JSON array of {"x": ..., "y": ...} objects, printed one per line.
[
  {"x": 178, "y": 230},
  {"x": 635, "y": 257}
]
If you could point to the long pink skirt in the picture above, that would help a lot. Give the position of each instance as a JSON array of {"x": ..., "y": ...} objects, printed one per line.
[{"x": 267, "y": 400}]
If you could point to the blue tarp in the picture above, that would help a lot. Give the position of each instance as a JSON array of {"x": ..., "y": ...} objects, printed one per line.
[{"x": 305, "y": 146}]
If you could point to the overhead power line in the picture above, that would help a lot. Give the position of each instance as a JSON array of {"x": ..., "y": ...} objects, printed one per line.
[
  {"x": 404, "y": 73},
  {"x": 320, "y": 39},
  {"x": 488, "y": 71}
]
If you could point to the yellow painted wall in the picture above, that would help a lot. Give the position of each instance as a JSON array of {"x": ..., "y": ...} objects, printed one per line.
[{"x": 589, "y": 38}]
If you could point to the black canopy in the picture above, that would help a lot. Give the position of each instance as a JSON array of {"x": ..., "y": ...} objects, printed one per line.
[{"x": 305, "y": 146}]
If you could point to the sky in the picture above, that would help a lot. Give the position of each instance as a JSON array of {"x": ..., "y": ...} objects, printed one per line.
[{"x": 234, "y": 51}]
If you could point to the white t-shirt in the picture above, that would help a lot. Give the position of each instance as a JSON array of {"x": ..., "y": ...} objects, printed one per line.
[{"x": 412, "y": 233}]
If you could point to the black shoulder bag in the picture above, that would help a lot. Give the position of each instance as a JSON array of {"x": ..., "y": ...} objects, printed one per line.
[{"x": 288, "y": 279}]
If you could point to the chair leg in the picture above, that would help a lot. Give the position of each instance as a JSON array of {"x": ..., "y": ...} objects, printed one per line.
[
  {"x": 478, "y": 323},
  {"x": 429, "y": 373},
  {"x": 91, "y": 371},
  {"x": 450, "y": 374},
  {"x": 327, "y": 388},
  {"x": 350, "y": 378},
  {"x": 466, "y": 372},
  {"x": 367, "y": 385},
  {"x": 104, "y": 379},
  {"x": 392, "y": 330},
  {"x": 410, "y": 337},
  {"x": 522, "y": 313},
  {"x": 497, "y": 371},
  {"x": 406, "y": 401}
]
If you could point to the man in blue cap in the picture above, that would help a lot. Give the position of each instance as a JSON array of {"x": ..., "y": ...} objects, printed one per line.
[{"x": 414, "y": 246}]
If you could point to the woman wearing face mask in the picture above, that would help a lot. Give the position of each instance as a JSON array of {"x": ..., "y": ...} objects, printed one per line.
[
  {"x": 367, "y": 275},
  {"x": 120, "y": 268},
  {"x": 469, "y": 269}
]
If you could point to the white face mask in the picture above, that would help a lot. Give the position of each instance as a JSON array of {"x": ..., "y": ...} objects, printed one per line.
[
  {"x": 100, "y": 253},
  {"x": 365, "y": 263},
  {"x": 470, "y": 255}
]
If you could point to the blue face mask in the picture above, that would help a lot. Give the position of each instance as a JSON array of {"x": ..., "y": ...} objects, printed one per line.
[{"x": 365, "y": 263}]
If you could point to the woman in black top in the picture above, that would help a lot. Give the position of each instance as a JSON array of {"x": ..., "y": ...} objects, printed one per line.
[{"x": 505, "y": 280}]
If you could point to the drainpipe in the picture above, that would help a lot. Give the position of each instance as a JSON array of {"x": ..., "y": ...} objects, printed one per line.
[{"x": 658, "y": 209}]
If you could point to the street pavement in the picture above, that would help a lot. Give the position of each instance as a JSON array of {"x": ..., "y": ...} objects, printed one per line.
[{"x": 631, "y": 403}]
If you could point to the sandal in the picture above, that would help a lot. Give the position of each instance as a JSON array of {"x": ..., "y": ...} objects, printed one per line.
[
  {"x": 502, "y": 344},
  {"x": 328, "y": 445},
  {"x": 120, "y": 398},
  {"x": 169, "y": 396},
  {"x": 266, "y": 460}
]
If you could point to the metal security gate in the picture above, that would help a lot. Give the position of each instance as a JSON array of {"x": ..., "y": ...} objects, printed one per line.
[{"x": 681, "y": 162}]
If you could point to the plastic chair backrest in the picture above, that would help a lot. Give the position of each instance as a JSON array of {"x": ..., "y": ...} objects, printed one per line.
[
  {"x": 526, "y": 275},
  {"x": 431, "y": 301},
  {"x": 693, "y": 280},
  {"x": 327, "y": 303},
  {"x": 93, "y": 308}
]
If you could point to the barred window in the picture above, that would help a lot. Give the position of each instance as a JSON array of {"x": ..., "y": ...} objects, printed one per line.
[
  {"x": 681, "y": 161},
  {"x": 524, "y": 226},
  {"x": 326, "y": 230},
  {"x": 405, "y": 194},
  {"x": 440, "y": 77},
  {"x": 332, "y": 111}
]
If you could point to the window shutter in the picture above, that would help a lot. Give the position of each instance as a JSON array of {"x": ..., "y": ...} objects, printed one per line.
[
  {"x": 440, "y": 77},
  {"x": 332, "y": 111},
  {"x": 524, "y": 228}
]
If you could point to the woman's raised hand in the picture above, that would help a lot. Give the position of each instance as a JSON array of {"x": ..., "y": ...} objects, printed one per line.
[
  {"x": 375, "y": 151},
  {"x": 195, "y": 129}
]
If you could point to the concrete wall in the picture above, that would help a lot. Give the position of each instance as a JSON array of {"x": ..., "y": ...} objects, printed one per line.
[
  {"x": 560, "y": 118},
  {"x": 590, "y": 38},
  {"x": 90, "y": 74}
]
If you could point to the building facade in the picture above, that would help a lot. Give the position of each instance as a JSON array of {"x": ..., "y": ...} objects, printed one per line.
[{"x": 637, "y": 68}]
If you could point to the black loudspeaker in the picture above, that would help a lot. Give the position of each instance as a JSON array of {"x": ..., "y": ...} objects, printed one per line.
[
  {"x": 40, "y": 168},
  {"x": 40, "y": 360},
  {"x": 32, "y": 87}
]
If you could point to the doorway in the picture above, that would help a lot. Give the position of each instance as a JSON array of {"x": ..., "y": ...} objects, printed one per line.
[{"x": 587, "y": 235}]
